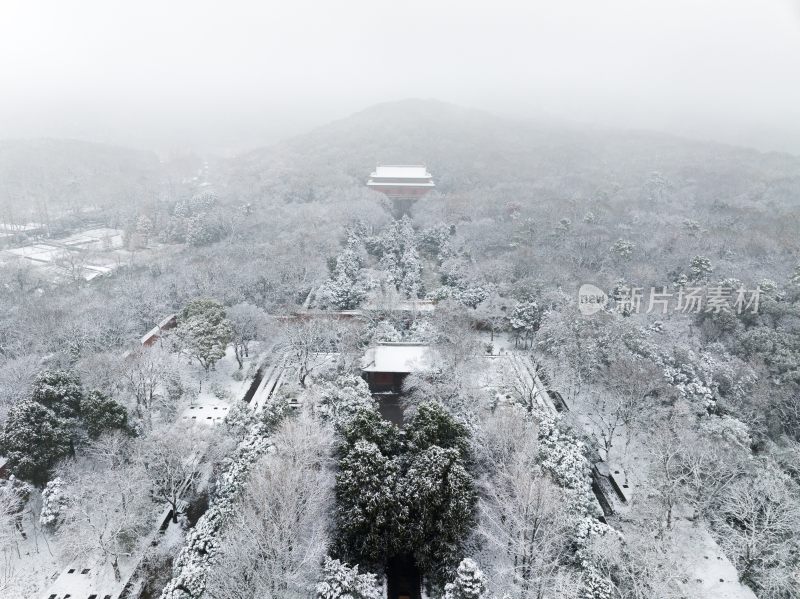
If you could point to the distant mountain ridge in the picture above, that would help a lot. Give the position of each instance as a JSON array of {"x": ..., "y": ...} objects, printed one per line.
[{"x": 466, "y": 148}]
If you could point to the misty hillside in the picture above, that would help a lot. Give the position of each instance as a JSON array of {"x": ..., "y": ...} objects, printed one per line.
[
  {"x": 672, "y": 197},
  {"x": 468, "y": 149},
  {"x": 47, "y": 178}
]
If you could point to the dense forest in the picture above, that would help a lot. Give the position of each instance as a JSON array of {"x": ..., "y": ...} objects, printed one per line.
[{"x": 308, "y": 491}]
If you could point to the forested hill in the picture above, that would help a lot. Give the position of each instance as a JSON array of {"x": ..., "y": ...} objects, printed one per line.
[
  {"x": 48, "y": 178},
  {"x": 468, "y": 149}
]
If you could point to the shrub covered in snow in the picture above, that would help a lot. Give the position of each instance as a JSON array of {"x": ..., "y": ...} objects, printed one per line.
[
  {"x": 469, "y": 583},
  {"x": 53, "y": 502},
  {"x": 342, "y": 398},
  {"x": 344, "y": 582}
]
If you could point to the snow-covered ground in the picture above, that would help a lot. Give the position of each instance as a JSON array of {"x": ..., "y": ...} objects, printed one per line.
[
  {"x": 711, "y": 575},
  {"x": 86, "y": 255}
]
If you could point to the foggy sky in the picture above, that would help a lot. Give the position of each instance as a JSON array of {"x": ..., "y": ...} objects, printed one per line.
[{"x": 227, "y": 75}]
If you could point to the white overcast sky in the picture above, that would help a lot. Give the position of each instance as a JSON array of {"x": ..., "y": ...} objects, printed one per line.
[{"x": 178, "y": 73}]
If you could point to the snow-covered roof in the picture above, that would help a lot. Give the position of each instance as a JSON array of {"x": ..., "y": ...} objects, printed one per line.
[
  {"x": 400, "y": 304},
  {"x": 85, "y": 580},
  {"x": 3, "y": 460},
  {"x": 395, "y": 183},
  {"x": 401, "y": 171},
  {"x": 150, "y": 334},
  {"x": 398, "y": 357},
  {"x": 169, "y": 322}
]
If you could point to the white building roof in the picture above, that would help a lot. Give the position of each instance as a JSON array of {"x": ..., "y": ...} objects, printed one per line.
[
  {"x": 401, "y": 171},
  {"x": 398, "y": 357},
  {"x": 395, "y": 304},
  {"x": 154, "y": 332}
]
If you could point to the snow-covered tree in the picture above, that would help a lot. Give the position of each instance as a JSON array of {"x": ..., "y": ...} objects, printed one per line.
[
  {"x": 34, "y": 439},
  {"x": 169, "y": 456},
  {"x": 204, "y": 331},
  {"x": 248, "y": 324},
  {"x": 342, "y": 293},
  {"x": 100, "y": 414},
  {"x": 422, "y": 330},
  {"x": 308, "y": 343},
  {"x": 596, "y": 585},
  {"x": 469, "y": 582},
  {"x": 275, "y": 540},
  {"x": 343, "y": 397},
  {"x": 524, "y": 321},
  {"x": 435, "y": 241},
  {"x": 399, "y": 258},
  {"x": 525, "y": 530},
  {"x": 58, "y": 390},
  {"x": 192, "y": 565},
  {"x": 385, "y": 331},
  {"x": 623, "y": 248},
  {"x": 366, "y": 503},
  {"x": 144, "y": 228},
  {"x": 433, "y": 425},
  {"x": 150, "y": 378},
  {"x": 108, "y": 513},
  {"x": 202, "y": 229},
  {"x": 367, "y": 424},
  {"x": 346, "y": 288},
  {"x": 411, "y": 271},
  {"x": 757, "y": 523},
  {"x": 656, "y": 186},
  {"x": 341, "y": 581},
  {"x": 54, "y": 502},
  {"x": 700, "y": 268},
  {"x": 14, "y": 494},
  {"x": 795, "y": 278},
  {"x": 438, "y": 499}
]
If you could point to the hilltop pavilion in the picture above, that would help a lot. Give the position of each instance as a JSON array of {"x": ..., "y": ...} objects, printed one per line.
[{"x": 403, "y": 184}]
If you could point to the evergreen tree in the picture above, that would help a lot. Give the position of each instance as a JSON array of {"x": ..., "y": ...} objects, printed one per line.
[
  {"x": 397, "y": 498},
  {"x": 470, "y": 582},
  {"x": 202, "y": 229},
  {"x": 368, "y": 425},
  {"x": 433, "y": 425},
  {"x": 59, "y": 391},
  {"x": 366, "y": 505},
  {"x": 101, "y": 414},
  {"x": 434, "y": 241},
  {"x": 346, "y": 289},
  {"x": 385, "y": 331},
  {"x": 204, "y": 331},
  {"x": 34, "y": 439},
  {"x": 410, "y": 273},
  {"x": 453, "y": 272},
  {"x": 439, "y": 499},
  {"x": 700, "y": 268},
  {"x": 472, "y": 296},
  {"x": 623, "y": 248},
  {"x": 342, "y": 293},
  {"x": 341, "y": 399}
]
